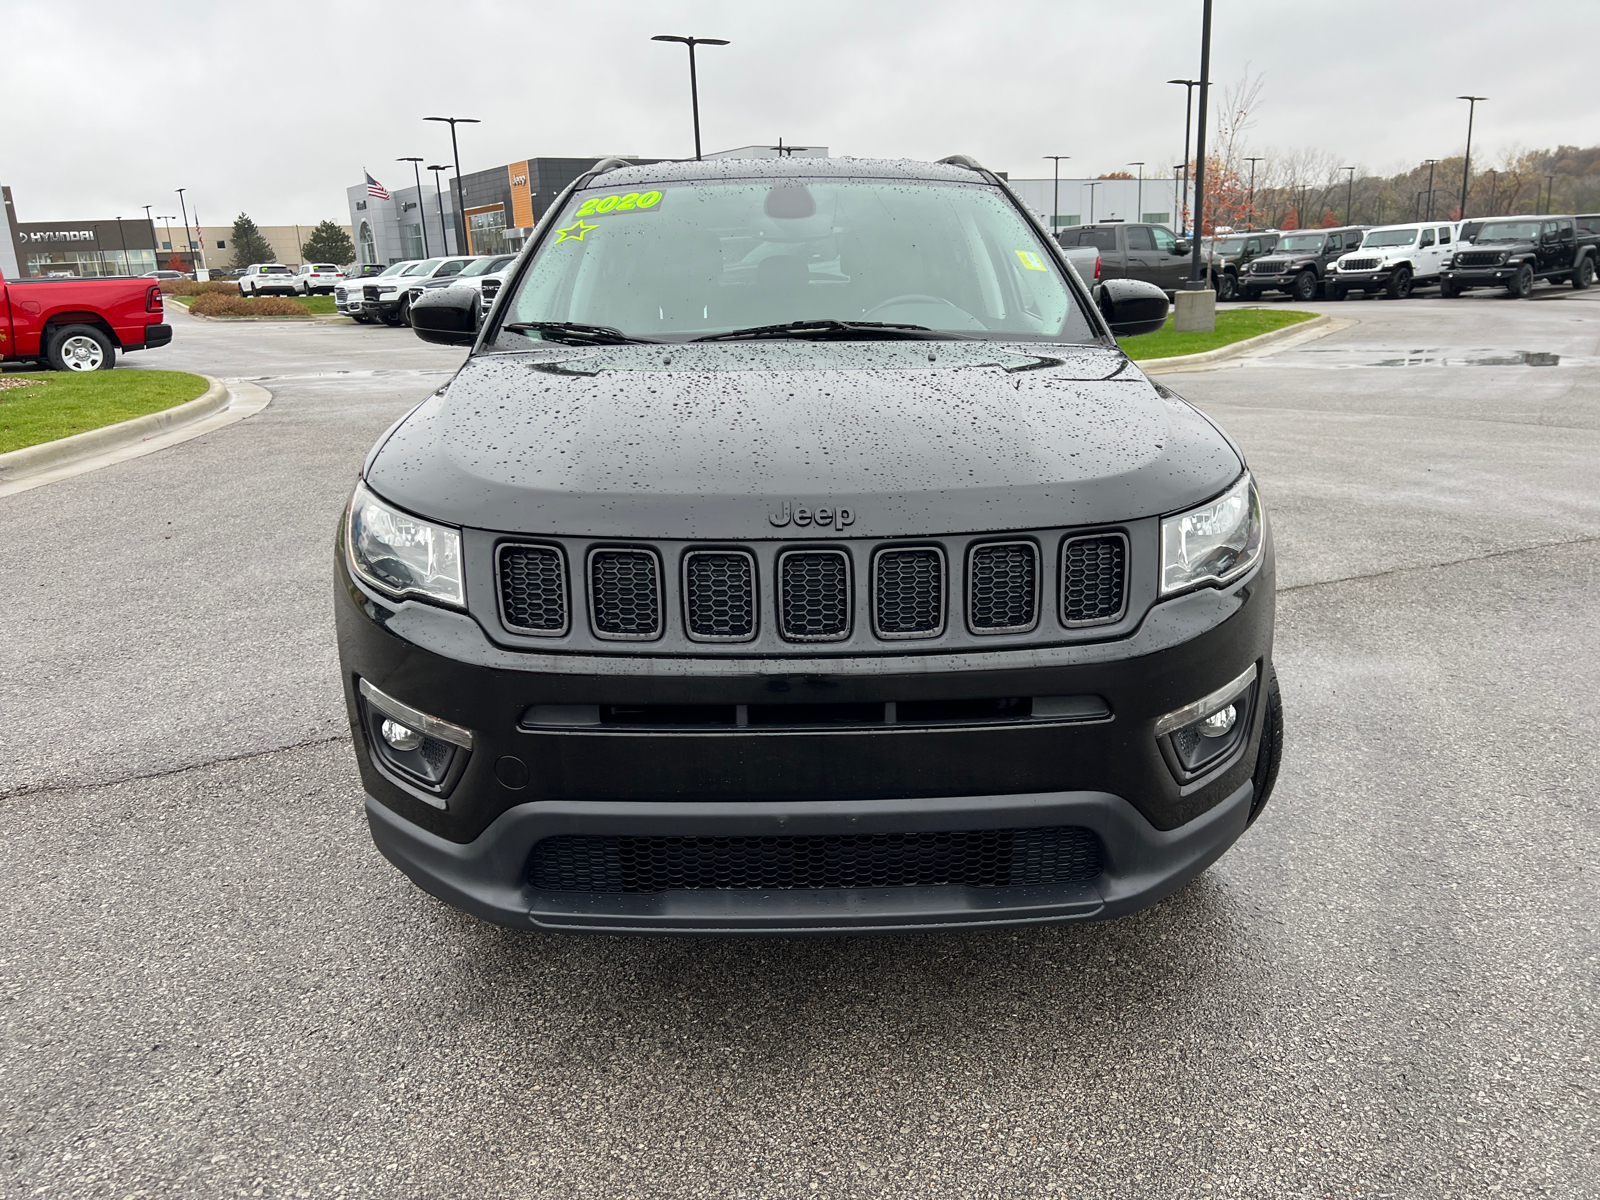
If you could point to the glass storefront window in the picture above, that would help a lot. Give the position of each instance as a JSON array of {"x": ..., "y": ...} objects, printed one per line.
[
  {"x": 486, "y": 232},
  {"x": 80, "y": 264},
  {"x": 413, "y": 236},
  {"x": 369, "y": 248}
]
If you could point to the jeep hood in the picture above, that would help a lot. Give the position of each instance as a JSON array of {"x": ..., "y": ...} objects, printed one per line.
[{"x": 703, "y": 441}]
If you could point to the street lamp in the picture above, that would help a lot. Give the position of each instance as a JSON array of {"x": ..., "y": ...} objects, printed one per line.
[
  {"x": 1091, "y": 185},
  {"x": 1196, "y": 283},
  {"x": 187, "y": 241},
  {"x": 1139, "y": 203},
  {"x": 1494, "y": 182},
  {"x": 694, "y": 84},
  {"x": 1055, "y": 203},
  {"x": 438, "y": 196},
  {"x": 1349, "y": 190},
  {"x": 1466, "y": 162},
  {"x": 169, "y": 218},
  {"x": 1188, "y": 106},
  {"x": 422, "y": 216},
  {"x": 461, "y": 203},
  {"x": 1430, "y": 162},
  {"x": 1253, "y": 162}
]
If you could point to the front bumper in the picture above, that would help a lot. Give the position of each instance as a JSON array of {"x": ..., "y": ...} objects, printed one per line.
[
  {"x": 1466, "y": 277},
  {"x": 1360, "y": 280},
  {"x": 1107, "y": 774},
  {"x": 1267, "y": 282}
]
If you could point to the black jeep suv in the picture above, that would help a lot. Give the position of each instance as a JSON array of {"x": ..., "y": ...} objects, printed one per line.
[
  {"x": 1513, "y": 252},
  {"x": 1299, "y": 263},
  {"x": 796, "y": 552},
  {"x": 1231, "y": 254}
]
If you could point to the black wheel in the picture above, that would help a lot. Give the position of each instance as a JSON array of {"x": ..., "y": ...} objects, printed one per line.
[
  {"x": 1227, "y": 286},
  {"x": 1337, "y": 293},
  {"x": 361, "y": 318},
  {"x": 405, "y": 312},
  {"x": 1305, "y": 286},
  {"x": 1270, "y": 755},
  {"x": 1584, "y": 275},
  {"x": 1251, "y": 293},
  {"x": 1399, "y": 286},
  {"x": 80, "y": 348},
  {"x": 1448, "y": 290},
  {"x": 392, "y": 317},
  {"x": 1520, "y": 285}
]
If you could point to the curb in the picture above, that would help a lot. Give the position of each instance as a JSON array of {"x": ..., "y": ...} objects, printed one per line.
[
  {"x": 1185, "y": 362},
  {"x": 30, "y": 460},
  {"x": 203, "y": 317}
]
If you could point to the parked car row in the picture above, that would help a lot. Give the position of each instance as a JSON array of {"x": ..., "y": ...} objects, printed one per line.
[
  {"x": 1509, "y": 252},
  {"x": 386, "y": 294}
]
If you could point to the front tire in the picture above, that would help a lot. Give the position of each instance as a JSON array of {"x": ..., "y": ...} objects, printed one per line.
[
  {"x": 1268, "y": 758},
  {"x": 392, "y": 318},
  {"x": 1227, "y": 286},
  {"x": 1399, "y": 286},
  {"x": 1449, "y": 290},
  {"x": 81, "y": 348},
  {"x": 1520, "y": 285},
  {"x": 1251, "y": 294},
  {"x": 1305, "y": 287},
  {"x": 1337, "y": 293},
  {"x": 1584, "y": 275}
]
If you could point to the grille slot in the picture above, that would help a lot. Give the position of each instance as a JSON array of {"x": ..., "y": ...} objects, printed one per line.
[
  {"x": 908, "y": 593},
  {"x": 719, "y": 595},
  {"x": 972, "y": 858},
  {"x": 533, "y": 590},
  {"x": 814, "y": 595},
  {"x": 1094, "y": 579},
  {"x": 625, "y": 595},
  {"x": 1003, "y": 587}
]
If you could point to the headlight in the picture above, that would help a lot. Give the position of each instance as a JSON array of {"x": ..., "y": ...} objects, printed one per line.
[
  {"x": 1214, "y": 543},
  {"x": 401, "y": 555}
]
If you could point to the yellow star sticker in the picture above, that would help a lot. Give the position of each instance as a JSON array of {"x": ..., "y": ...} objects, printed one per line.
[{"x": 573, "y": 233}]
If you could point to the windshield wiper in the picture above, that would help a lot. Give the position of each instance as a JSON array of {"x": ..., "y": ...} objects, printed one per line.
[
  {"x": 574, "y": 331},
  {"x": 827, "y": 327}
]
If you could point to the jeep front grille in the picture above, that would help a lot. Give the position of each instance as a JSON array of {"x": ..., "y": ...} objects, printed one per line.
[
  {"x": 1479, "y": 258},
  {"x": 1003, "y": 587},
  {"x": 814, "y": 595},
  {"x": 719, "y": 595},
  {"x": 1094, "y": 578},
  {"x": 980, "y": 858},
  {"x": 1359, "y": 264},
  {"x": 533, "y": 590},
  {"x": 908, "y": 593},
  {"x": 625, "y": 594},
  {"x": 1268, "y": 266}
]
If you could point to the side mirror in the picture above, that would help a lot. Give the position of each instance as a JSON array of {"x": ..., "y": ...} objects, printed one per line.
[
  {"x": 444, "y": 317},
  {"x": 1130, "y": 306},
  {"x": 1182, "y": 247}
]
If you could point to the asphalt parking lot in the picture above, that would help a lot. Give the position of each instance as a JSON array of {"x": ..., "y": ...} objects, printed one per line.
[{"x": 214, "y": 985}]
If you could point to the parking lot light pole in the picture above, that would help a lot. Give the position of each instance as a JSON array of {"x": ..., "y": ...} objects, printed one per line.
[
  {"x": 1494, "y": 183},
  {"x": 1253, "y": 161},
  {"x": 438, "y": 196},
  {"x": 1430, "y": 163},
  {"x": 1196, "y": 282},
  {"x": 188, "y": 244},
  {"x": 150, "y": 221},
  {"x": 694, "y": 82},
  {"x": 1188, "y": 109},
  {"x": 1466, "y": 162},
  {"x": 1055, "y": 202},
  {"x": 422, "y": 215},
  {"x": 1549, "y": 195},
  {"x": 1139, "y": 203},
  {"x": 1091, "y": 185},
  {"x": 169, "y": 218},
  {"x": 1349, "y": 191},
  {"x": 461, "y": 204}
]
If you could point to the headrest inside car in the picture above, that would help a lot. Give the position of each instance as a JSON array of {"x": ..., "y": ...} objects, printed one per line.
[{"x": 789, "y": 202}]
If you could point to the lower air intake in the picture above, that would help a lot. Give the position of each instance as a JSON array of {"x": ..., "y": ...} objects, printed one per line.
[{"x": 977, "y": 858}]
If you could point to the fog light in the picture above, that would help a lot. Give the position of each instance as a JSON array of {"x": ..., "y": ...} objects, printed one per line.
[
  {"x": 1214, "y": 726},
  {"x": 401, "y": 737}
]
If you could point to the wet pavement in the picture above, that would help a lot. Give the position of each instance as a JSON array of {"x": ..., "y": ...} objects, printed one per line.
[{"x": 213, "y": 985}]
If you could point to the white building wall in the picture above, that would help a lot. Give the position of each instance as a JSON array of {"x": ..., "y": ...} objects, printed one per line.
[{"x": 1083, "y": 200}]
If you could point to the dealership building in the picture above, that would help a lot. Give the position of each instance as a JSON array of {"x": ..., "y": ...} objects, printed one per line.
[{"x": 501, "y": 206}]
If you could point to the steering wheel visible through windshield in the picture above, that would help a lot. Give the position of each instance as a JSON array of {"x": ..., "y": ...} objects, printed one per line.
[{"x": 866, "y": 257}]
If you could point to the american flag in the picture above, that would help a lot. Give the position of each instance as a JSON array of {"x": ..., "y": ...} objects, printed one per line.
[{"x": 376, "y": 189}]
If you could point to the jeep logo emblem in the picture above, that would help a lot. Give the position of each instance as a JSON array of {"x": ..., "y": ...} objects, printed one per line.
[{"x": 822, "y": 518}]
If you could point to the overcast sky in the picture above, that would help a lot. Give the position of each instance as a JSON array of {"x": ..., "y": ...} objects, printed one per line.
[{"x": 274, "y": 109}]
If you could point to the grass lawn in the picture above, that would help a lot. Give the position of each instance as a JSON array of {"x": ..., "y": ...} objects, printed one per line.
[
  {"x": 1233, "y": 325},
  {"x": 312, "y": 304},
  {"x": 56, "y": 404}
]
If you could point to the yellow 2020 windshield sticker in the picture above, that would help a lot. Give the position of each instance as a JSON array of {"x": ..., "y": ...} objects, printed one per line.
[
  {"x": 1031, "y": 261},
  {"x": 599, "y": 206}
]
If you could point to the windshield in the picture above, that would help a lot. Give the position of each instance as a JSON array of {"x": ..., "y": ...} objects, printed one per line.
[
  {"x": 1231, "y": 246},
  {"x": 395, "y": 269},
  {"x": 685, "y": 261},
  {"x": 1509, "y": 231},
  {"x": 478, "y": 266},
  {"x": 1301, "y": 241},
  {"x": 1389, "y": 237},
  {"x": 421, "y": 268}
]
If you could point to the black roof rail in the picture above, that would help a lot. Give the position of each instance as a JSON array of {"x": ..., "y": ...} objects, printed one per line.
[{"x": 964, "y": 160}]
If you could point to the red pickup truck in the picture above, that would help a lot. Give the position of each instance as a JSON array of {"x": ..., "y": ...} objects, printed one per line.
[{"x": 79, "y": 324}]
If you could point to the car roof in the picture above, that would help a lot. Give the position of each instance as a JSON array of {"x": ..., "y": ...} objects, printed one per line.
[{"x": 842, "y": 167}]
